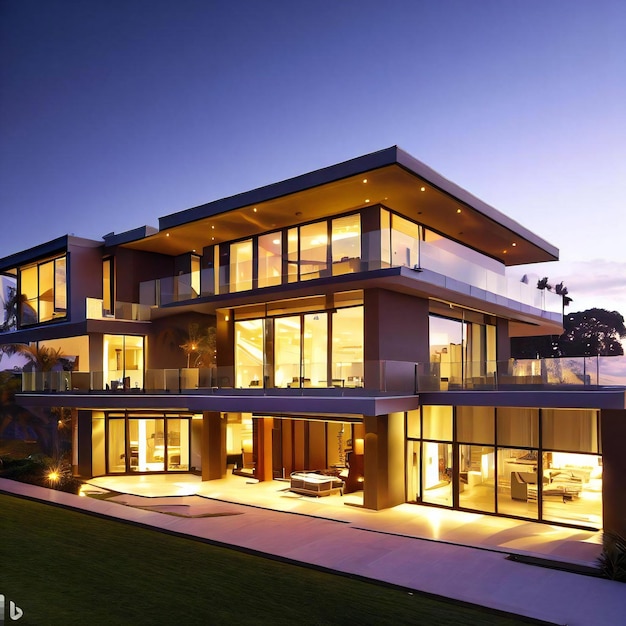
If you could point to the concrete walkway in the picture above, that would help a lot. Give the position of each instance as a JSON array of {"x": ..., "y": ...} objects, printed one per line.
[{"x": 368, "y": 544}]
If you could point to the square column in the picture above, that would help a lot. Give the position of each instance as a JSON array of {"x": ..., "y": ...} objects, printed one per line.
[
  {"x": 213, "y": 445},
  {"x": 383, "y": 486}
]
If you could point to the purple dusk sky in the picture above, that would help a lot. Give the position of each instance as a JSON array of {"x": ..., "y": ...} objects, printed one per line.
[{"x": 116, "y": 112}]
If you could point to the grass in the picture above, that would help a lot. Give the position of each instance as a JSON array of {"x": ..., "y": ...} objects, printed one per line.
[{"x": 65, "y": 567}]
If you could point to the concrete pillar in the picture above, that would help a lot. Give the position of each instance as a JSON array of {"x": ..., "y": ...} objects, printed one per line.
[
  {"x": 263, "y": 448},
  {"x": 83, "y": 441},
  {"x": 383, "y": 486},
  {"x": 396, "y": 337},
  {"x": 213, "y": 445},
  {"x": 613, "y": 436}
]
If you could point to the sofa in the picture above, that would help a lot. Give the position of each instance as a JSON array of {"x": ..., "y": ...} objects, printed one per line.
[{"x": 313, "y": 483}]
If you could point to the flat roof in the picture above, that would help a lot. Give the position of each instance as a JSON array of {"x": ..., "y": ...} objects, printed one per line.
[{"x": 390, "y": 177}]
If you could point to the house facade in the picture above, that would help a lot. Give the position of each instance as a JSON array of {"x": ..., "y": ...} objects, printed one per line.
[{"x": 354, "y": 322}]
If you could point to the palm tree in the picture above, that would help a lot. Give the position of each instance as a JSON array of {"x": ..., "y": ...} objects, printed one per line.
[
  {"x": 202, "y": 344},
  {"x": 42, "y": 358}
]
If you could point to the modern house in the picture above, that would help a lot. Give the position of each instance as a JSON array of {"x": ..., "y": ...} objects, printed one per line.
[{"x": 354, "y": 322}]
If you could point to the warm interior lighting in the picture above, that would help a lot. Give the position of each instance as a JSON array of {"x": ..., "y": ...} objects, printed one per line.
[
  {"x": 167, "y": 234},
  {"x": 53, "y": 476},
  {"x": 226, "y": 317},
  {"x": 359, "y": 446},
  {"x": 367, "y": 200},
  {"x": 458, "y": 210},
  {"x": 513, "y": 244},
  {"x": 365, "y": 180},
  {"x": 422, "y": 188},
  {"x": 254, "y": 209}
]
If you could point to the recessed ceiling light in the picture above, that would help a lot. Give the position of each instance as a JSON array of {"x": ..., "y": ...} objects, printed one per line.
[
  {"x": 458, "y": 210},
  {"x": 367, "y": 199},
  {"x": 254, "y": 209},
  {"x": 513, "y": 244},
  {"x": 167, "y": 234},
  {"x": 213, "y": 227},
  {"x": 422, "y": 188},
  {"x": 365, "y": 180}
]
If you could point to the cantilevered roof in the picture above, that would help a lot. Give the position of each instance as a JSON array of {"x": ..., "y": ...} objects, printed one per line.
[{"x": 390, "y": 177}]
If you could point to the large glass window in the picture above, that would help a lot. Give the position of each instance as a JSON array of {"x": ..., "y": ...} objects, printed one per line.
[
  {"x": 518, "y": 426},
  {"x": 437, "y": 469},
  {"x": 477, "y": 484},
  {"x": 437, "y": 422},
  {"x": 315, "y": 350},
  {"x": 249, "y": 353},
  {"x": 518, "y": 491},
  {"x": 107, "y": 287},
  {"x": 117, "y": 446},
  {"x": 241, "y": 266},
  {"x": 270, "y": 260},
  {"x": 287, "y": 351},
  {"x": 347, "y": 347},
  {"x": 313, "y": 250},
  {"x": 572, "y": 488},
  {"x": 404, "y": 242},
  {"x": 573, "y": 430},
  {"x": 123, "y": 361},
  {"x": 44, "y": 292},
  {"x": 346, "y": 244}
]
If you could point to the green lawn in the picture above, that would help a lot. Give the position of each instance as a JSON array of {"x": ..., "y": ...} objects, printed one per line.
[{"x": 65, "y": 567}]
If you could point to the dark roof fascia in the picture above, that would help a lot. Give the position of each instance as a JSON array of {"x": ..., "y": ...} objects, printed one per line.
[
  {"x": 323, "y": 176},
  {"x": 24, "y": 257},
  {"x": 113, "y": 239},
  {"x": 423, "y": 171},
  {"x": 359, "y": 165},
  {"x": 265, "y": 404},
  {"x": 594, "y": 398}
]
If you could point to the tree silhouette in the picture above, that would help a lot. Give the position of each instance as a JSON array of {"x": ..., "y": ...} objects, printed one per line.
[{"x": 587, "y": 333}]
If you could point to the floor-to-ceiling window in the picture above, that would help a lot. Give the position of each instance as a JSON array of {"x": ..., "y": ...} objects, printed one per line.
[
  {"x": 462, "y": 351},
  {"x": 44, "y": 291},
  {"x": 123, "y": 361},
  {"x": 346, "y": 244},
  {"x": 530, "y": 463},
  {"x": 249, "y": 353},
  {"x": 313, "y": 250},
  {"x": 475, "y": 432},
  {"x": 347, "y": 347},
  {"x": 270, "y": 260},
  {"x": 437, "y": 459},
  {"x": 287, "y": 352},
  {"x": 241, "y": 266},
  {"x": 148, "y": 443},
  {"x": 306, "y": 349}
]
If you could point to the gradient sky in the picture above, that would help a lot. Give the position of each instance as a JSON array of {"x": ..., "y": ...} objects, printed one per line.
[{"x": 116, "y": 112}]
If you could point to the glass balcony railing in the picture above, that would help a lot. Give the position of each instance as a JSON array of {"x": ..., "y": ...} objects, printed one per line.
[
  {"x": 375, "y": 377},
  {"x": 570, "y": 372},
  {"x": 95, "y": 310},
  {"x": 459, "y": 272}
]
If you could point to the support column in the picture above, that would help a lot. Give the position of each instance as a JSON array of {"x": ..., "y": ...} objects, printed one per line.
[
  {"x": 213, "y": 445},
  {"x": 84, "y": 466},
  {"x": 396, "y": 337},
  {"x": 263, "y": 448},
  {"x": 613, "y": 436},
  {"x": 383, "y": 486}
]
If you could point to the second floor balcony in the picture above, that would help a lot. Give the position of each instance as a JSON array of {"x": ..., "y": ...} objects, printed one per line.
[{"x": 380, "y": 377}]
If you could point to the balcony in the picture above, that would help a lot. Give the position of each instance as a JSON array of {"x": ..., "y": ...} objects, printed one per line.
[
  {"x": 399, "y": 378},
  {"x": 520, "y": 374},
  {"x": 466, "y": 272},
  {"x": 94, "y": 310}
]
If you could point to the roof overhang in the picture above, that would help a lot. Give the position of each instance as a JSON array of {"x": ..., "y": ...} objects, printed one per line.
[{"x": 390, "y": 177}]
